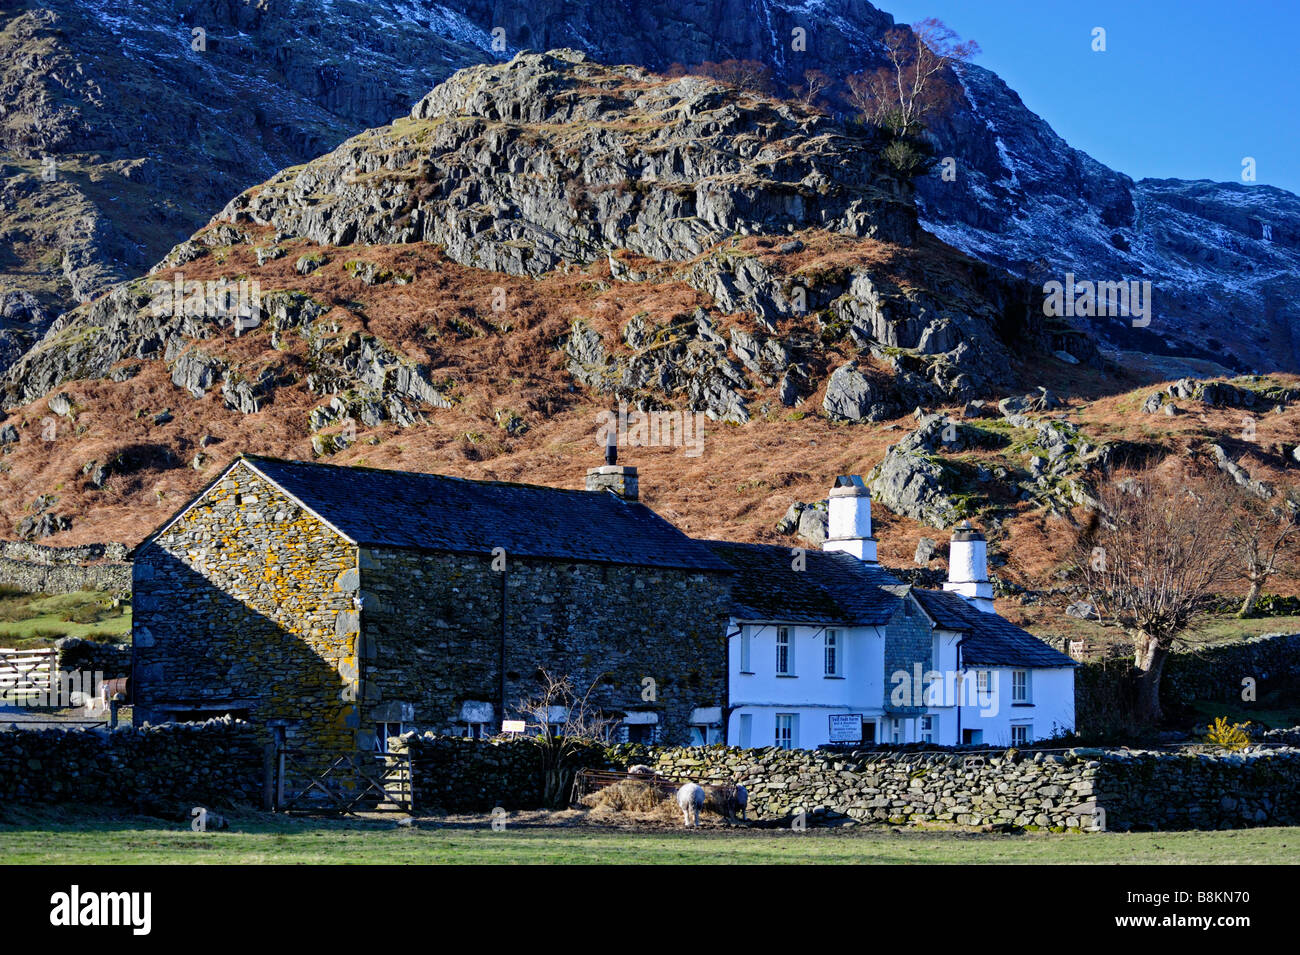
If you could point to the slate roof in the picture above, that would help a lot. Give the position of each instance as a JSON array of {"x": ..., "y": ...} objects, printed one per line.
[
  {"x": 834, "y": 588},
  {"x": 990, "y": 640},
  {"x": 432, "y": 512}
]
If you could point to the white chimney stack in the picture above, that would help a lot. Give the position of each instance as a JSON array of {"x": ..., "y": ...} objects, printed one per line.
[
  {"x": 968, "y": 572},
  {"x": 849, "y": 523}
]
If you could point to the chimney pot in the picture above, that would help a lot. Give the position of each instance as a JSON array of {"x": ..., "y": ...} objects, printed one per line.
[
  {"x": 849, "y": 519},
  {"x": 968, "y": 572}
]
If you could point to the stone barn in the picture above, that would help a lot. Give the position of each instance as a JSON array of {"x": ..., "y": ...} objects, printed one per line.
[{"x": 335, "y": 607}]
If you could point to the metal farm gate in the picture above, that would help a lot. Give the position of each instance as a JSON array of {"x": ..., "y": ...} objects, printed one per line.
[{"x": 312, "y": 781}]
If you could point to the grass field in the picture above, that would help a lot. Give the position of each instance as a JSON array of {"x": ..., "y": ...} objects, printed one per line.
[
  {"x": 573, "y": 837},
  {"x": 30, "y": 621}
]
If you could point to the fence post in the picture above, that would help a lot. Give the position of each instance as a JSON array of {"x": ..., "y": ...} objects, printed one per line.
[
  {"x": 268, "y": 777},
  {"x": 113, "y": 704},
  {"x": 279, "y": 778}
]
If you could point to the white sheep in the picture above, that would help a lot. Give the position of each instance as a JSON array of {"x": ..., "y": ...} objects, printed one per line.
[
  {"x": 641, "y": 769},
  {"x": 690, "y": 799}
]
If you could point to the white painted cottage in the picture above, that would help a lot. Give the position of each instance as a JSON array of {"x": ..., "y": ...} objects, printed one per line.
[{"x": 826, "y": 646}]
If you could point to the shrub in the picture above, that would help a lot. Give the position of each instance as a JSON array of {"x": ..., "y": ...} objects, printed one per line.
[{"x": 1227, "y": 735}]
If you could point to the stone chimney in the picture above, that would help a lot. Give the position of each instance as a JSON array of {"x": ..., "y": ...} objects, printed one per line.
[
  {"x": 968, "y": 567},
  {"x": 849, "y": 523},
  {"x": 619, "y": 478}
]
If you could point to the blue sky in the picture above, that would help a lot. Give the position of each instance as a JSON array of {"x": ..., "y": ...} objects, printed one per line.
[{"x": 1186, "y": 88}]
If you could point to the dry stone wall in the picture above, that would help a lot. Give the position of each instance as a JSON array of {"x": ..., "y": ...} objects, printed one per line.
[
  {"x": 1081, "y": 789},
  {"x": 36, "y": 569},
  {"x": 218, "y": 763}
]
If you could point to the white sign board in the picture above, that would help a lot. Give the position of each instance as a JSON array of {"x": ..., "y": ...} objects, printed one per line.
[
  {"x": 846, "y": 727},
  {"x": 512, "y": 726}
]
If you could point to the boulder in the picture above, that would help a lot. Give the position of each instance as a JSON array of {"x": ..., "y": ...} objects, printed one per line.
[
  {"x": 850, "y": 396},
  {"x": 806, "y": 521},
  {"x": 910, "y": 484},
  {"x": 1081, "y": 609}
]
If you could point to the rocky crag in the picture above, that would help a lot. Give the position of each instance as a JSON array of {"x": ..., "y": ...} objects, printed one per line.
[{"x": 148, "y": 126}]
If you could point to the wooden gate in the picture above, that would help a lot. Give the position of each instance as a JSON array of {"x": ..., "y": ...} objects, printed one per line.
[
  {"x": 28, "y": 676},
  {"x": 312, "y": 781}
]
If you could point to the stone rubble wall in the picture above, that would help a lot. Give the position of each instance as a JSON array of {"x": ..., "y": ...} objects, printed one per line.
[
  {"x": 1074, "y": 789},
  {"x": 1081, "y": 789},
  {"x": 36, "y": 569},
  {"x": 217, "y": 763},
  {"x": 1216, "y": 672},
  {"x": 1039, "y": 790},
  {"x": 110, "y": 660}
]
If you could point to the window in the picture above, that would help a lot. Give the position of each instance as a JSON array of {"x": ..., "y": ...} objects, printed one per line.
[
  {"x": 784, "y": 652},
  {"x": 1019, "y": 686},
  {"x": 787, "y": 727},
  {"x": 746, "y": 730},
  {"x": 1021, "y": 733},
  {"x": 382, "y": 732},
  {"x": 744, "y": 650},
  {"x": 476, "y": 730},
  {"x": 929, "y": 728},
  {"x": 705, "y": 734},
  {"x": 982, "y": 682},
  {"x": 832, "y": 653},
  {"x": 640, "y": 733}
]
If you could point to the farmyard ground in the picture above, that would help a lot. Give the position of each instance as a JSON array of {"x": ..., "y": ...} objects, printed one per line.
[{"x": 585, "y": 837}]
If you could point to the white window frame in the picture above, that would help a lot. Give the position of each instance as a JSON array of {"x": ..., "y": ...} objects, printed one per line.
[
  {"x": 382, "y": 735},
  {"x": 1027, "y": 729},
  {"x": 831, "y": 658},
  {"x": 1020, "y": 693},
  {"x": 784, "y": 642},
  {"x": 983, "y": 683},
  {"x": 787, "y": 730},
  {"x": 927, "y": 728}
]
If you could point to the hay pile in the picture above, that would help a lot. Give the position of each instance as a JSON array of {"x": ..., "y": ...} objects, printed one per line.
[{"x": 630, "y": 795}]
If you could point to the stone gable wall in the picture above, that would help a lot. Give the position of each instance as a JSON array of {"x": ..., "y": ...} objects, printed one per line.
[
  {"x": 908, "y": 641},
  {"x": 251, "y": 605}
]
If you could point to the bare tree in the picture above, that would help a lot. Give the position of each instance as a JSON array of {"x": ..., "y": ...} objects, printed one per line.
[
  {"x": 809, "y": 92},
  {"x": 1264, "y": 536},
  {"x": 1150, "y": 558},
  {"x": 917, "y": 80},
  {"x": 565, "y": 727},
  {"x": 752, "y": 76}
]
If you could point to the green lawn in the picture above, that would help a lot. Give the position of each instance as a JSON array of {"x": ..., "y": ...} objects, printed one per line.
[{"x": 258, "y": 838}]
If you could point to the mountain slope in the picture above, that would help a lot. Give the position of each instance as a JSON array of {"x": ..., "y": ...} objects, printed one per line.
[
  {"x": 118, "y": 137},
  {"x": 152, "y": 136}
]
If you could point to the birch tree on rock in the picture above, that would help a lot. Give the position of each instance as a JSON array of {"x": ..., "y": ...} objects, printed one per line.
[
  {"x": 1150, "y": 558},
  {"x": 917, "y": 82}
]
